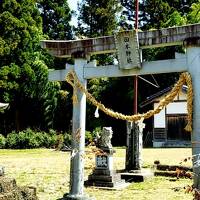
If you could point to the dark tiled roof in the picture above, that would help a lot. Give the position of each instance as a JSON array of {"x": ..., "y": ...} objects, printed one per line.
[{"x": 152, "y": 98}]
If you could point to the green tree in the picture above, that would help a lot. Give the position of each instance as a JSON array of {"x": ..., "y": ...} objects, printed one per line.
[
  {"x": 194, "y": 14},
  {"x": 128, "y": 14},
  {"x": 175, "y": 19},
  {"x": 155, "y": 13},
  {"x": 56, "y": 16},
  {"x": 98, "y": 17},
  {"x": 23, "y": 74}
]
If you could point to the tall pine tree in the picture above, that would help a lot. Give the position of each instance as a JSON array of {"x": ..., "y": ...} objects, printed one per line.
[
  {"x": 23, "y": 75},
  {"x": 98, "y": 17},
  {"x": 56, "y": 17}
]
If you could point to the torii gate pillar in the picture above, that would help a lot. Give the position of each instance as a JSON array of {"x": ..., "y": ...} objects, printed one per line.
[
  {"x": 78, "y": 137},
  {"x": 193, "y": 62}
]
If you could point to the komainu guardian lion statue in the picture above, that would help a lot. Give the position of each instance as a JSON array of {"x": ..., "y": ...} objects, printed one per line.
[{"x": 104, "y": 139}]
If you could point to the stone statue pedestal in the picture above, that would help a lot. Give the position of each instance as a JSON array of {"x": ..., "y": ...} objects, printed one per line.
[
  {"x": 104, "y": 176},
  {"x": 137, "y": 175}
]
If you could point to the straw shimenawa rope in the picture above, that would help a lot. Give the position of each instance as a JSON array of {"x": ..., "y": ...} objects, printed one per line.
[{"x": 184, "y": 78}]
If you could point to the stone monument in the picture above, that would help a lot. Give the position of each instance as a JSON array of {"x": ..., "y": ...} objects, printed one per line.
[
  {"x": 134, "y": 145},
  {"x": 134, "y": 171},
  {"x": 104, "y": 175}
]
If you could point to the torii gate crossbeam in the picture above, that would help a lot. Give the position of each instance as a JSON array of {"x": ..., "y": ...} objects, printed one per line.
[
  {"x": 102, "y": 45},
  {"x": 189, "y": 36},
  {"x": 154, "y": 67}
]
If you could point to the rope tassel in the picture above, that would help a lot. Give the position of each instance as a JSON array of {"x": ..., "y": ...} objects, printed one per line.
[
  {"x": 74, "y": 98},
  {"x": 184, "y": 78}
]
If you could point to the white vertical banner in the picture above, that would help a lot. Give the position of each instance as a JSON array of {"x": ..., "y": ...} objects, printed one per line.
[{"x": 128, "y": 49}]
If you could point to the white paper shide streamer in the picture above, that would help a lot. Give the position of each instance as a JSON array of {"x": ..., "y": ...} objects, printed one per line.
[{"x": 96, "y": 114}]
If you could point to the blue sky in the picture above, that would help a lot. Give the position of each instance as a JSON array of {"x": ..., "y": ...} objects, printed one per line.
[{"x": 73, "y": 6}]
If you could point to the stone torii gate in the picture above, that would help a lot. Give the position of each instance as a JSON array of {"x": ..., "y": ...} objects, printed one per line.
[{"x": 189, "y": 36}]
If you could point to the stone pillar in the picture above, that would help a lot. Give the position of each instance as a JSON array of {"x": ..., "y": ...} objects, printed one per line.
[
  {"x": 134, "y": 146},
  {"x": 129, "y": 146},
  {"x": 78, "y": 138},
  {"x": 193, "y": 61}
]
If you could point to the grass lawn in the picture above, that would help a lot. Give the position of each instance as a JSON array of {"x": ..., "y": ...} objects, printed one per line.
[{"x": 48, "y": 171}]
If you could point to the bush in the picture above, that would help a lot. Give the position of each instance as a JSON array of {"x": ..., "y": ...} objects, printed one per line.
[
  {"x": 67, "y": 139},
  {"x": 49, "y": 140},
  {"x": 2, "y": 142},
  {"x": 91, "y": 136},
  {"x": 12, "y": 140},
  {"x": 22, "y": 140},
  {"x": 88, "y": 137},
  {"x": 96, "y": 132},
  {"x": 28, "y": 139},
  {"x": 31, "y": 139},
  {"x": 59, "y": 142}
]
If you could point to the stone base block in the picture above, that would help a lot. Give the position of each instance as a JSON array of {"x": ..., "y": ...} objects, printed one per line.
[
  {"x": 103, "y": 178},
  {"x": 105, "y": 172},
  {"x": 76, "y": 197},
  {"x": 137, "y": 175}
]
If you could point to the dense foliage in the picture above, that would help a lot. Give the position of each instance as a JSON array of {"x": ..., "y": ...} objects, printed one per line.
[
  {"x": 56, "y": 16},
  {"x": 98, "y": 17},
  {"x": 29, "y": 139},
  {"x": 23, "y": 73},
  {"x": 156, "y": 13}
]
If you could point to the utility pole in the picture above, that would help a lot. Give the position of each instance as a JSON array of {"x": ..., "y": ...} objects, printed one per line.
[{"x": 135, "y": 83}]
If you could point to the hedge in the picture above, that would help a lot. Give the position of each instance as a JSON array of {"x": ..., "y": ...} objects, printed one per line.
[{"x": 28, "y": 139}]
